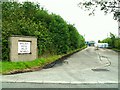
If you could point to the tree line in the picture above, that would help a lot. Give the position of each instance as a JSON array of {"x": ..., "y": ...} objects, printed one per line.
[
  {"x": 54, "y": 34},
  {"x": 113, "y": 41}
]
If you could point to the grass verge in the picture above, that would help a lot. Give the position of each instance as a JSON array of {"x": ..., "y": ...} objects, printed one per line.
[
  {"x": 28, "y": 66},
  {"x": 117, "y": 50}
]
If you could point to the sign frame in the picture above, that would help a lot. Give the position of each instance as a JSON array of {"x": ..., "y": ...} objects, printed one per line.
[{"x": 28, "y": 47}]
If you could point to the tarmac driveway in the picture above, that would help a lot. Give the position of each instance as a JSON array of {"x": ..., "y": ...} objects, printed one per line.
[{"x": 88, "y": 66}]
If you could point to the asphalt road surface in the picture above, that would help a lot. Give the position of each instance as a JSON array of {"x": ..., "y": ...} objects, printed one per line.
[{"x": 88, "y": 68}]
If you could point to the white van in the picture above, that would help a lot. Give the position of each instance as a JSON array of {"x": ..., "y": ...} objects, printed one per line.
[{"x": 101, "y": 45}]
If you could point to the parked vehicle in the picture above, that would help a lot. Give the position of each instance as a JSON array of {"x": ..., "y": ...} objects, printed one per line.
[{"x": 101, "y": 45}]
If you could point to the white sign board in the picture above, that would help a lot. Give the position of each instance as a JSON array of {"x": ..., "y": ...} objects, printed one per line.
[{"x": 23, "y": 47}]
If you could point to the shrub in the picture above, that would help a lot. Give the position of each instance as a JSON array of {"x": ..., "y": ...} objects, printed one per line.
[{"x": 53, "y": 34}]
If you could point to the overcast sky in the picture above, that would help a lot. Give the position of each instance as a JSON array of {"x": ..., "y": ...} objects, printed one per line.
[{"x": 93, "y": 27}]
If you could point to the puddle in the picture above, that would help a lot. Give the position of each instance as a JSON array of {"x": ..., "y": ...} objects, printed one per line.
[{"x": 99, "y": 69}]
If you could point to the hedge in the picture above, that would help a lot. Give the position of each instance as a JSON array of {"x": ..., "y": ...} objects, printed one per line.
[{"x": 54, "y": 34}]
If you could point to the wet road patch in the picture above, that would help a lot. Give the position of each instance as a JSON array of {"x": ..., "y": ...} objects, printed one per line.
[{"x": 99, "y": 69}]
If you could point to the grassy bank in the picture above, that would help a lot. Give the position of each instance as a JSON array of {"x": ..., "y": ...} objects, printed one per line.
[
  {"x": 27, "y": 66},
  {"x": 117, "y": 50},
  {"x": 14, "y": 67}
]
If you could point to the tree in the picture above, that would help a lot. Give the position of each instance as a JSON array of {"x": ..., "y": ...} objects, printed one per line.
[
  {"x": 117, "y": 43},
  {"x": 113, "y": 41},
  {"x": 99, "y": 41},
  {"x": 106, "y": 6},
  {"x": 112, "y": 36},
  {"x": 28, "y": 19}
]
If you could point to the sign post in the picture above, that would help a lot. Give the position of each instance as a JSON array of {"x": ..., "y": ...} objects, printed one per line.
[{"x": 23, "y": 48}]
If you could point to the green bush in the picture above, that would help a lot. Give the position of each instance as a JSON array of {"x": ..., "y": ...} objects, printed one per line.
[
  {"x": 117, "y": 43},
  {"x": 76, "y": 40},
  {"x": 53, "y": 34},
  {"x": 113, "y": 41}
]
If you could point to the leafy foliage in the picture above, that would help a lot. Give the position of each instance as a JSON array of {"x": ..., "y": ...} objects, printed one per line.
[
  {"x": 106, "y": 6},
  {"x": 113, "y": 41},
  {"x": 53, "y": 34},
  {"x": 76, "y": 40}
]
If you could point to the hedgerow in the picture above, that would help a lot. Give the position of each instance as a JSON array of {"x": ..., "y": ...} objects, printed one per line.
[
  {"x": 53, "y": 34},
  {"x": 113, "y": 41}
]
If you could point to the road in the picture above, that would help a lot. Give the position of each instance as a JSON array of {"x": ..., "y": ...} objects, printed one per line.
[{"x": 87, "y": 68}]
